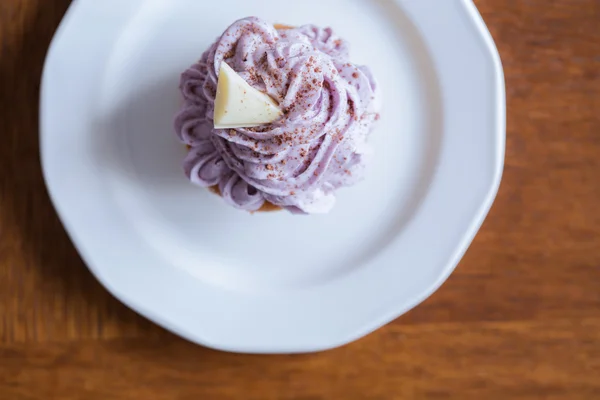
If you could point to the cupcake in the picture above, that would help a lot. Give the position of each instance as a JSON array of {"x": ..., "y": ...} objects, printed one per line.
[{"x": 277, "y": 117}]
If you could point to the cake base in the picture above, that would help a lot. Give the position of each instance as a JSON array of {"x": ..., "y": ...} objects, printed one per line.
[{"x": 282, "y": 26}]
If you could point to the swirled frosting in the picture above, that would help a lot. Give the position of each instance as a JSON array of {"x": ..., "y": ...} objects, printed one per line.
[{"x": 329, "y": 107}]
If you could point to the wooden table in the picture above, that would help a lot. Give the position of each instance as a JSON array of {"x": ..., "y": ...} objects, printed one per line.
[{"x": 519, "y": 319}]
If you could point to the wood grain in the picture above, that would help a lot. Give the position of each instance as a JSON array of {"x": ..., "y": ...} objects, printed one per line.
[{"x": 519, "y": 319}]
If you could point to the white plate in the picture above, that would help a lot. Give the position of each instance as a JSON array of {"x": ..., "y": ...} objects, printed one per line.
[{"x": 270, "y": 282}]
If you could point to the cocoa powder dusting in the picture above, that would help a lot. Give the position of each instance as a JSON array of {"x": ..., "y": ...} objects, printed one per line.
[{"x": 351, "y": 108}]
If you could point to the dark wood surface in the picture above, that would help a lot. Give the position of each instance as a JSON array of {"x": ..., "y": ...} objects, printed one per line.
[{"x": 519, "y": 319}]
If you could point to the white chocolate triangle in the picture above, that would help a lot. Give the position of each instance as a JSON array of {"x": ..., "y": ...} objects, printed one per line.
[{"x": 239, "y": 105}]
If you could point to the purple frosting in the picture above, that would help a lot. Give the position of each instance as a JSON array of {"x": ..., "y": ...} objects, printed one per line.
[{"x": 329, "y": 106}]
